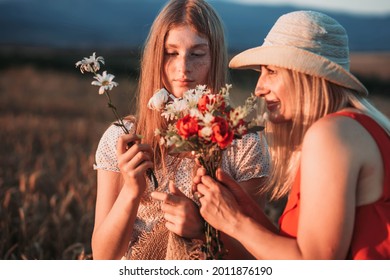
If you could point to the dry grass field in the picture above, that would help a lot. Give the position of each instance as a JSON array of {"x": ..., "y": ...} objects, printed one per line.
[{"x": 51, "y": 122}]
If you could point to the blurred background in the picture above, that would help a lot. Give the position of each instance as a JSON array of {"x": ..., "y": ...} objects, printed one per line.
[{"x": 51, "y": 118}]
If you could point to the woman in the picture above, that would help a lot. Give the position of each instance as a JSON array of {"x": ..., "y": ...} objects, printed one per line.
[
  {"x": 330, "y": 151},
  {"x": 185, "y": 47}
]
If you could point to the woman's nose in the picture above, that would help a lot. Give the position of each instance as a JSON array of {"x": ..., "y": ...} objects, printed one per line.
[{"x": 260, "y": 89}]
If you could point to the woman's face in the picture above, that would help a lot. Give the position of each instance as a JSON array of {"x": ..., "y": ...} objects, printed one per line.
[
  {"x": 272, "y": 87},
  {"x": 187, "y": 60}
]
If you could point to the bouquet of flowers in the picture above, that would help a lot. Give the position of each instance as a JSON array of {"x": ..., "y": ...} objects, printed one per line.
[
  {"x": 203, "y": 123},
  {"x": 106, "y": 84}
]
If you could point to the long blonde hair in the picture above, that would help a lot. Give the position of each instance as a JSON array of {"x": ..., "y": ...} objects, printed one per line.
[
  {"x": 201, "y": 17},
  {"x": 314, "y": 98}
]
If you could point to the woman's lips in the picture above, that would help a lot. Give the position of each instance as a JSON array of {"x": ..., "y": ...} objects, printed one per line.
[{"x": 273, "y": 105}]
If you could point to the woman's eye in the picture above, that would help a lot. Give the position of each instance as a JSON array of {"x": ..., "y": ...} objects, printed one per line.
[
  {"x": 271, "y": 71},
  {"x": 171, "y": 53}
]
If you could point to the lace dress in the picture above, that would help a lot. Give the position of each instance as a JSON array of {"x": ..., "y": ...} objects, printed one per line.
[{"x": 245, "y": 159}]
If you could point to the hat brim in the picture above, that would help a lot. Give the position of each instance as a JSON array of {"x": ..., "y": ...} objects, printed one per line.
[{"x": 298, "y": 60}]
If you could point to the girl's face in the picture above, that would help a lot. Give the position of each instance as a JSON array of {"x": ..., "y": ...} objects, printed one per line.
[
  {"x": 272, "y": 86},
  {"x": 187, "y": 60}
]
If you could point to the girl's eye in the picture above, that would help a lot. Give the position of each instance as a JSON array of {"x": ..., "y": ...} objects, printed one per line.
[{"x": 197, "y": 54}]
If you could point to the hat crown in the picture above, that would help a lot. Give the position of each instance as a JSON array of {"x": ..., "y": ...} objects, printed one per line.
[{"x": 311, "y": 31}]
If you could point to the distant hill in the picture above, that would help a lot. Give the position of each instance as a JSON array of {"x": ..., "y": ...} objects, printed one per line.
[{"x": 124, "y": 24}]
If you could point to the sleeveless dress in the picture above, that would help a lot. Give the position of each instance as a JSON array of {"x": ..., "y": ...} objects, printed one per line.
[
  {"x": 245, "y": 159},
  {"x": 371, "y": 233}
]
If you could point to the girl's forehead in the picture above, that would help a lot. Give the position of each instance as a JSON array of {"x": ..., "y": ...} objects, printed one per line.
[{"x": 185, "y": 34}]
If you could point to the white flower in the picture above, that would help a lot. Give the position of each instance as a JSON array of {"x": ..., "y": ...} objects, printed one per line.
[
  {"x": 207, "y": 119},
  {"x": 261, "y": 119},
  {"x": 158, "y": 100},
  {"x": 200, "y": 89},
  {"x": 192, "y": 97},
  {"x": 206, "y": 132},
  {"x": 179, "y": 105},
  {"x": 104, "y": 81},
  {"x": 90, "y": 64}
]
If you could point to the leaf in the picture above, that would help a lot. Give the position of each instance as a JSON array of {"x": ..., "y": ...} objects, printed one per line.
[{"x": 255, "y": 129}]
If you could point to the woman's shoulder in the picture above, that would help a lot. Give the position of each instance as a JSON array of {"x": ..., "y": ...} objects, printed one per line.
[{"x": 337, "y": 131}]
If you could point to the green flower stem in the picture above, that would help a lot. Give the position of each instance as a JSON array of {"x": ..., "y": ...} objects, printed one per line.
[
  {"x": 113, "y": 108},
  {"x": 213, "y": 247}
]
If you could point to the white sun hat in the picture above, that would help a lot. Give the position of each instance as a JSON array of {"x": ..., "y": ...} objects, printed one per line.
[{"x": 305, "y": 41}]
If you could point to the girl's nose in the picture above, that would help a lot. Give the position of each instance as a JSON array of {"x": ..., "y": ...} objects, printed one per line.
[{"x": 183, "y": 63}]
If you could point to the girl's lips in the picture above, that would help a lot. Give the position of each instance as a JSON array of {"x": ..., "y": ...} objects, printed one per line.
[{"x": 184, "y": 83}]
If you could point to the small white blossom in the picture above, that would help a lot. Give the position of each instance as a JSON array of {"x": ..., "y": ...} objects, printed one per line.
[
  {"x": 90, "y": 64},
  {"x": 174, "y": 140},
  {"x": 105, "y": 82},
  {"x": 192, "y": 98},
  {"x": 158, "y": 100},
  {"x": 241, "y": 129},
  {"x": 206, "y": 132},
  {"x": 261, "y": 119},
  {"x": 180, "y": 106},
  {"x": 207, "y": 119},
  {"x": 201, "y": 89}
]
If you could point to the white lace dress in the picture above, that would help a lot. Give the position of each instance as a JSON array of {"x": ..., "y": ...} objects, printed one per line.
[{"x": 245, "y": 159}]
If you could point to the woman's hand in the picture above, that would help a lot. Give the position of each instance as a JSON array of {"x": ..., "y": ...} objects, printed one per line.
[
  {"x": 224, "y": 202},
  {"x": 181, "y": 213},
  {"x": 219, "y": 206},
  {"x": 133, "y": 161}
]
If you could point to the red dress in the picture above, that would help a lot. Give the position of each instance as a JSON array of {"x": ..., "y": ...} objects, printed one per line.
[{"x": 371, "y": 234}]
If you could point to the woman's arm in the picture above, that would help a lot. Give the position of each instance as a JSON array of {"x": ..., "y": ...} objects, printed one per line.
[{"x": 330, "y": 165}]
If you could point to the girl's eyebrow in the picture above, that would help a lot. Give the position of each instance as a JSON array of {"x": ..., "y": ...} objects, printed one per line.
[{"x": 201, "y": 45}]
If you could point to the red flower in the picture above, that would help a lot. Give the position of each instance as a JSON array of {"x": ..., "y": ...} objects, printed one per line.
[
  {"x": 187, "y": 126},
  {"x": 203, "y": 102},
  {"x": 222, "y": 135}
]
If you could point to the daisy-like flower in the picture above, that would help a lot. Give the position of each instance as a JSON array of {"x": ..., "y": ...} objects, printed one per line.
[
  {"x": 105, "y": 82},
  {"x": 158, "y": 100},
  {"x": 90, "y": 64}
]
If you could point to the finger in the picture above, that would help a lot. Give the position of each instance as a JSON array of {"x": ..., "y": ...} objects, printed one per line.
[
  {"x": 169, "y": 217},
  {"x": 159, "y": 196},
  {"x": 173, "y": 190},
  {"x": 171, "y": 227},
  {"x": 138, "y": 161},
  {"x": 122, "y": 145},
  {"x": 198, "y": 195},
  {"x": 201, "y": 171},
  {"x": 229, "y": 182},
  {"x": 202, "y": 190}
]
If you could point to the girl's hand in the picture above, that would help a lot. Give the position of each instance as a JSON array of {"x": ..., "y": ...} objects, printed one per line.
[
  {"x": 181, "y": 213},
  {"x": 133, "y": 161}
]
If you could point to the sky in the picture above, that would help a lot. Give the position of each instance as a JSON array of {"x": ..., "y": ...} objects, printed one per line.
[{"x": 367, "y": 7}]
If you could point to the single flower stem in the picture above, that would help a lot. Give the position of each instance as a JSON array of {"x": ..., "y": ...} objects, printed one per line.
[
  {"x": 152, "y": 177},
  {"x": 113, "y": 108}
]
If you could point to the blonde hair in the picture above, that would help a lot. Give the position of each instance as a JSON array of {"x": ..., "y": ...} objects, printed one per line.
[
  {"x": 314, "y": 98},
  {"x": 201, "y": 17}
]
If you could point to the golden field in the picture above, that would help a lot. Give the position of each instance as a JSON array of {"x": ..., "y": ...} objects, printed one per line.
[{"x": 51, "y": 121}]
